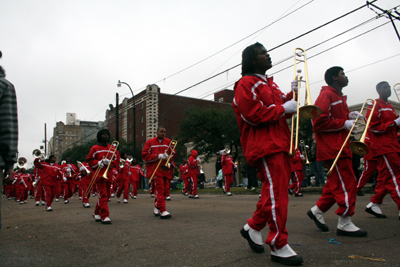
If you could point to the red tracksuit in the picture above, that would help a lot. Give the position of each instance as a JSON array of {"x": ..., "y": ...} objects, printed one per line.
[
  {"x": 169, "y": 179},
  {"x": 370, "y": 165},
  {"x": 265, "y": 139},
  {"x": 297, "y": 170},
  {"x": 152, "y": 148},
  {"x": 50, "y": 176},
  {"x": 39, "y": 195},
  {"x": 183, "y": 168},
  {"x": 96, "y": 154},
  {"x": 85, "y": 181},
  {"x": 23, "y": 186},
  {"x": 384, "y": 136},
  {"x": 136, "y": 172},
  {"x": 330, "y": 135},
  {"x": 227, "y": 170},
  {"x": 124, "y": 179},
  {"x": 69, "y": 184},
  {"x": 193, "y": 165}
]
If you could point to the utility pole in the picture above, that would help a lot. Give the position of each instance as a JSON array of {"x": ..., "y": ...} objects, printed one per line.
[
  {"x": 45, "y": 139},
  {"x": 387, "y": 13},
  {"x": 117, "y": 117}
]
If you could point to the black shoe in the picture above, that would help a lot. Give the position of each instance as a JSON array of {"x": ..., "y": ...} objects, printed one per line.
[
  {"x": 255, "y": 247},
  {"x": 292, "y": 261},
  {"x": 298, "y": 195},
  {"x": 359, "y": 233},
  {"x": 360, "y": 194},
  {"x": 377, "y": 215},
  {"x": 323, "y": 227}
]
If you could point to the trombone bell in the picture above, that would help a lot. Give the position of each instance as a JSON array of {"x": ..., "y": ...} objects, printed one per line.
[
  {"x": 359, "y": 148},
  {"x": 309, "y": 112}
]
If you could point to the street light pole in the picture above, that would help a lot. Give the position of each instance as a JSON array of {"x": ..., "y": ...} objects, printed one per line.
[{"x": 134, "y": 115}]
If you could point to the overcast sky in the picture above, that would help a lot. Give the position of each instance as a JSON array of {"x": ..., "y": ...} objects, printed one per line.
[{"x": 67, "y": 56}]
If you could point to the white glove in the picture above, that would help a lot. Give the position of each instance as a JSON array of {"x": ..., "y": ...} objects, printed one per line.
[
  {"x": 68, "y": 169},
  {"x": 302, "y": 157},
  {"x": 295, "y": 85},
  {"x": 82, "y": 169},
  {"x": 397, "y": 121},
  {"x": 129, "y": 173},
  {"x": 105, "y": 161},
  {"x": 65, "y": 179},
  {"x": 290, "y": 106},
  {"x": 165, "y": 156},
  {"x": 198, "y": 160},
  {"x": 101, "y": 164},
  {"x": 160, "y": 156},
  {"x": 354, "y": 114},
  {"x": 349, "y": 123}
]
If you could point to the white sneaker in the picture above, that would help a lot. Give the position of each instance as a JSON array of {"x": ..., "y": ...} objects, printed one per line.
[
  {"x": 43, "y": 203},
  {"x": 49, "y": 209},
  {"x": 196, "y": 196},
  {"x": 87, "y": 205},
  {"x": 112, "y": 195},
  {"x": 156, "y": 212},
  {"x": 119, "y": 200},
  {"x": 97, "y": 217},
  {"x": 134, "y": 197},
  {"x": 56, "y": 199},
  {"x": 165, "y": 215},
  {"x": 37, "y": 203},
  {"x": 21, "y": 202},
  {"x": 229, "y": 194},
  {"x": 93, "y": 195},
  {"x": 66, "y": 201},
  {"x": 253, "y": 188},
  {"x": 168, "y": 198},
  {"x": 80, "y": 198},
  {"x": 152, "y": 195},
  {"x": 125, "y": 201},
  {"x": 106, "y": 221}
]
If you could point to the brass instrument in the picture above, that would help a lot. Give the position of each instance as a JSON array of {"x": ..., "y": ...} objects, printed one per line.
[
  {"x": 114, "y": 144},
  {"x": 396, "y": 89},
  {"x": 37, "y": 154},
  {"x": 308, "y": 111},
  {"x": 358, "y": 147},
  {"x": 129, "y": 159},
  {"x": 21, "y": 163},
  {"x": 303, "y": 151},
  {"x": 122, "y": 163},
  {"x": 166, "y": 167},
  {"x": 36, "y": 182},
  {"x": 80, "y": 165},
  {"x": 173, "y": 142}
]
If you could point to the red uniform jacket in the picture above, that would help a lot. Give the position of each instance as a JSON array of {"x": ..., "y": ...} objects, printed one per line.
[
  {"x": 152, "y": 148},
  {"x": 383, "y": 129},
  {"x": 125, "y": 172},
  {"x": 261, "y": 117},
  {"x": 70, "y": 176},
  {"x": 227, "y": 165},
  {"x": 193, "y": 164},
  {"x": 330, "y": 133},
  {"x": 296, "y": 162},
  {"x": 183, "y": 168},
  {"x": 96, "y": 154},
  {"x": 51, "y": 173},
  {"x": 136, "y": 171}
]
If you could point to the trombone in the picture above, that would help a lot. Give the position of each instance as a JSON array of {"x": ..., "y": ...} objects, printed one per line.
[
  {"x": 358, "y": 147},
  {"x": 396, "y": 89},
  {"x": 303, "y": 151},
  {"x": 80, "y": 165},
  {"x": 114, "y": 145},
  {"x": 166, "y": 167},
  {"x": 308, "y": 111},
  {"x": 172, "y": 143}
]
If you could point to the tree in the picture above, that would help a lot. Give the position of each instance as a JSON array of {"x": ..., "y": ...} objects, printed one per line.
[{"x": 210, "y": 129}]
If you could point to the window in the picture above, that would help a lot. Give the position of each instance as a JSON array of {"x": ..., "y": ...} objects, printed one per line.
[
  {"x": 142, "y": 132},
  {"x": 142, "y": 119}
]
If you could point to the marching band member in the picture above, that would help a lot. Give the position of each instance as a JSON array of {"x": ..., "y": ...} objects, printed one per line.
[
  {"x": 331, "y": 130},
  {"x": 384, "y": 126},
  {"x": 136, "y": 172},
  {"x": 227, "y": 170},
  {"x": 183, "y": 169},
  {"x": 156, "y": 151},
  {"x": 100, "y": 157},
  {"x": 193, "y": 166},
  {"x": 23, "y": 186},
  {"x": 124, "y": 179},
  {"x": 39, "y": 194},
  {"x": 85, "y": 178},
  {"x": 50, "y": 176},
  {"x": 298, "y": 175},
  {"x": 69, "y": 171},
  {"x": 261, "y": 110}
]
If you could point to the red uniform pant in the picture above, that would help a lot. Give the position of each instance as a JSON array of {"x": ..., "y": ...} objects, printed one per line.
[
  {"x": 49, "y": 193},
  {"x": 185, "y": 185},
  {"x": 123, "y": 186},
  {"x": 298, "y": 177},
  {"x": 340, "y": 188},
  {"x": 103, "y": 192},
  {"x": 160, "y": 185},
  {"x": 135, "y": 186},
  {"x": 228, "y": 180},
  {"x": 370, "y": 166},
  {"x": 388, "y": 178},
  {"x": 82, "y": 190},
  {"x": 274, "y": 173},
  {"x": 167, "y": 188},
  {"x": 193, "y": 188},
  {"x": 68, "y": 189},
  {"x": 23, "y": 193},
  {"x": 39, "y": 193}
]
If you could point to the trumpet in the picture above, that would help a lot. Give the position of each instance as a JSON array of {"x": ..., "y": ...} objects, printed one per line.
[
  {"x": 358, "y": 147},
  {"x": 122, "y": 163},
  {"x": 80, "y": 165},
  {"x": 172, "y": 143},
  {"x": 396, "y": 89},
  {"x": 114, "y": 145},
  {"x": 308, "y": 111},
  {"x": 21, "y": 163},
  {"x": 166, "y": 167},
  {"x": 37, "y": 154}
]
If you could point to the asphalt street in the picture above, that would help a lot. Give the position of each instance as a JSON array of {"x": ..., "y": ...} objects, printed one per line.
[{"x": 201, "y": 232}]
